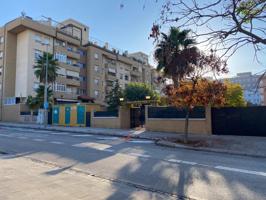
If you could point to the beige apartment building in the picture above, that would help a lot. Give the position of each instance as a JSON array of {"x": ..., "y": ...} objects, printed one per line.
[
  {"x": 86, "y": 70},
  {"x": 105, "y": 66}
]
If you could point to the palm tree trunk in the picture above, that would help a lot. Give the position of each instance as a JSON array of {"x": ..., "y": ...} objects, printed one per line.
[{"x": 186, "y": 125}]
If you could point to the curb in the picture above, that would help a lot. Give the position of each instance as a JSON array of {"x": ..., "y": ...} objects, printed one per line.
[
  {"x": 158, "y": 141},
  {"x": 180, "y": 146},
  {"x": 80, "y": 132}
]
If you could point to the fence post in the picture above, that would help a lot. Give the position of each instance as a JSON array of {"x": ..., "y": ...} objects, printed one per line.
[
  {"x": 92, "y": 118},
  {"x": 208, "y": 111}
]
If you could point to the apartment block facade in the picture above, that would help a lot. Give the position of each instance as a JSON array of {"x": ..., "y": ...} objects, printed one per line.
[
  {"x": 105, "y": 66},
  {"x": 250, "y": 85},
  {"x": 86, "y": 70}
]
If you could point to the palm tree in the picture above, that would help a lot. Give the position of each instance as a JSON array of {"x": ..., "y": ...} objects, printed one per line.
[
  {"x": 40, "y": 68},
  {"x": 40, "y": 95},
  {"x": 173, "y": 53}
]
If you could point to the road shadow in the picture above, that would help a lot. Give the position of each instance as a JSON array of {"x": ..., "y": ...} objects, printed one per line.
[
  {"x": 58, "y": 171},
  {"x": 139, "y": 173}
]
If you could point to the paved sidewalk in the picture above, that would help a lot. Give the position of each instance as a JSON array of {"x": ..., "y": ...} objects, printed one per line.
[
  {"x": 24, "y": 179},
  {"x": 240, "y": 145}
]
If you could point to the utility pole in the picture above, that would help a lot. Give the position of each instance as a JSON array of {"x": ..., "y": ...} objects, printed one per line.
[{"x": 45, "y": 104}]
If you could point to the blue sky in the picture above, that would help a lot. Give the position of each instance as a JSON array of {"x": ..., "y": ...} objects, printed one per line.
[{"x": 126, "y": 29}]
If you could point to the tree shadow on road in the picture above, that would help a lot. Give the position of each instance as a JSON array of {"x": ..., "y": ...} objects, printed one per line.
[{"x": 150, "y": 174}]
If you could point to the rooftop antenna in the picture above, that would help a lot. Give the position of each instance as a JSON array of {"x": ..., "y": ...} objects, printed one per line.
[{"x": 23, "y": 14}]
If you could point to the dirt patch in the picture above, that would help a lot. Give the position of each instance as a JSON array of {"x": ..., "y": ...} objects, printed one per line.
[
  {"x": 194, "y": 143},
  {"x": 200, "y": 142}
]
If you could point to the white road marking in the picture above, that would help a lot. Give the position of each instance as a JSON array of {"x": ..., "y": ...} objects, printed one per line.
[
  {"x": 5, "y": 135},
  {"x": 56, "y": 142},
  {"x": 204, "y": 165},
  {"x": 38, "y": 140},
  {"x": 141, "y": 141},
  {"x": 58, "y": 133},
  {"x": 241, "y": 170},
  {"x": 182, "y": 162},
  {"x": 140, "y": 155},
  {"x": 107, "y": 138},
  {"x": 108, "y": 150},
  {"x": 22, "y": 137},
  {"x": 84, "y": 135},
  {"x": 93, "y": 145}
]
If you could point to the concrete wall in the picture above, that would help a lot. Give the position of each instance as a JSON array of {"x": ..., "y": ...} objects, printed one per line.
[
  {"x": 11, "y": 113},
  {"x": 121, "y": 122},
  {"x": 105, "y": 122},
  {"x": 196, "y": 126}
]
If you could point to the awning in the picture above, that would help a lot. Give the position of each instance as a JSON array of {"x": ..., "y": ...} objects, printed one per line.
[{"x": 86, "y": 98}]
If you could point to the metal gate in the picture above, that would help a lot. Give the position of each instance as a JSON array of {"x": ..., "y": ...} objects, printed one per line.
[
  {"x": 244, "y": 121},
  {"x": 137, "y": 117},
  {"x": 88, "y": 119}
]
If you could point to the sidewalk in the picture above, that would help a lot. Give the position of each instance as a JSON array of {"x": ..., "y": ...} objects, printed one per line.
[
  {"x": 238, "y": 145},
  {"x": 46, "y": 182}
]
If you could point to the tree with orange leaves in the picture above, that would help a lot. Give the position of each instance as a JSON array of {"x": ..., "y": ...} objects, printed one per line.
[{"x": 195, "y": 90}]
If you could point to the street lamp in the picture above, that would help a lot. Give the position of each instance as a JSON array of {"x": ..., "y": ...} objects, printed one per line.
[
  {"x": 45, "y": 104},
  {"x": 148, "y": 97},
  {"x": 121, "y": 99}
]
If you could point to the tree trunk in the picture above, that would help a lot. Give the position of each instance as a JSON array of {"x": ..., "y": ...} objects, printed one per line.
[
  {"x": 176, "y": 81},
  {"x": 186, "y": 126}
]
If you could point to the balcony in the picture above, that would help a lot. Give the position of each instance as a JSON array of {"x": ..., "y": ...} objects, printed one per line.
[
  {"x": 111, "y": 77},
  {"x": 72, "y": 67},
  {"x": 70, "y": 53},
  {"x": 68, "y": 81},
  {"x": 65, "y": 95},
  {"x": 135, "y": 73},
  {"x": 73, "y": 54}
]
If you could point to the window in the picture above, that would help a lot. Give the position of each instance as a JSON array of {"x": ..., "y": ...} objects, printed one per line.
[
  {"x": 46, "y": 41},
  {"x": 81, "y": 91},
  {"x": 96, "y": 81},
  {"x": 60, "y": 43},
  {"x": 81, "y": 52},
  {"x": 69, "y": 62},
  {"x": 37, "y": 38},
  {"x": 1, "y": 54},
  {"x": 69, "y": 48},
  {"x": 37, "y": 54},
  {"x": 10, "y": 101},
  {"x": 61, "y": 57},
  {"x": 96, "y": 56},
  {"x": 96, "y": 93},
  {"x": 81, "y": 65},
  {"x": 58, "y": 87},
  {"x": 96, "y": 68},
  {"x": 121, "y": 76},
  {"x": 1, "y": 39},
  {"x": 82, "y": 78},
  {"x": 126, "y": 77}
]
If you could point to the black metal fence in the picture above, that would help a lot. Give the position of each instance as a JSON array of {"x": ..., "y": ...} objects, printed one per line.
[
  {"x": 88, "y": 119},
  {"x": 174, "y": 112},
  {"x": 245, "y": 121},
  {"x": 25, "y": 113},
  {"x": 106, "y": 114}
]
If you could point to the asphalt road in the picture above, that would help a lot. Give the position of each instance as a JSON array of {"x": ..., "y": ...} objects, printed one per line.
[{"x": 142, "y": 164}]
